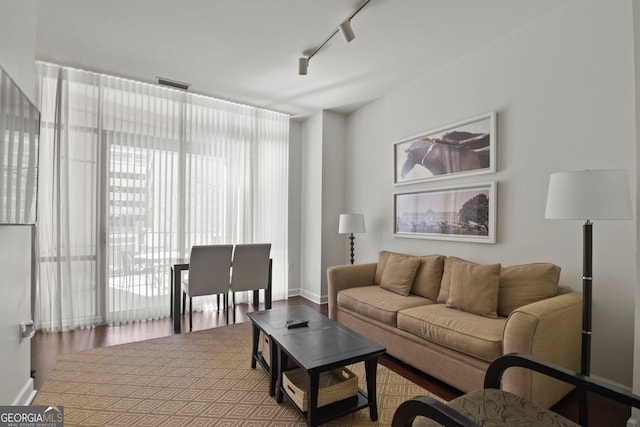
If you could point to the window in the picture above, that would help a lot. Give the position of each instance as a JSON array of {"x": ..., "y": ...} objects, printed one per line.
[{"x": 133, "y": 175}]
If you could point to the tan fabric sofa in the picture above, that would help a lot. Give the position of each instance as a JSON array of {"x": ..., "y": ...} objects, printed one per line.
[{"x": 451, "y": 318}]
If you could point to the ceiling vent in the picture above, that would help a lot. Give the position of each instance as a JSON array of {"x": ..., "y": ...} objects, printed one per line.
[{"x": 172, "y": 83}]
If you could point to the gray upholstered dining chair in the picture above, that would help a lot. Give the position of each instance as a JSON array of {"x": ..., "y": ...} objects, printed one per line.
[
  {"x": 209, "y": 270},
  {"x": 251, "y": 271}
]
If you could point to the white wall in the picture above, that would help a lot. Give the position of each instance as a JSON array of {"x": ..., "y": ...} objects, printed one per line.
[
  {"x": 294, "y": 212},
  {"x": 18, "y": 42},
  {"x": 635, "y": 414},
  {"x": 563, "y": 88},
  {"x": 333, "y": 195},
  {"x": 17, "y": 57},
  {"x": 311, "y": 224},
  {"x": 323, "y": 165}
]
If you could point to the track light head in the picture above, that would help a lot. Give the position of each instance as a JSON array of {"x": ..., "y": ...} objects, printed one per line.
[
  {"x": 347, "y": 31},
  {"x": 303, "y": 65}
]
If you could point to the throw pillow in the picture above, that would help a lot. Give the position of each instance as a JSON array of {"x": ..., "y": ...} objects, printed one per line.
[
  {"x": 443, "y": 293},
  {"x": 383, "y": 257},
  {"x": 399, "y": 273},
  {"x": 428, "y": 277},
  {"x": 474, "y": 288},
  {"x": 524, "y": 284}
]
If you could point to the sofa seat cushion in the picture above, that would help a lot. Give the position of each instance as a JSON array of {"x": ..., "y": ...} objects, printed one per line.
[
  {"x": 468, "y": 333},
  {"x": 491, "y": 407},
  {"x": 377, "y": 303}
]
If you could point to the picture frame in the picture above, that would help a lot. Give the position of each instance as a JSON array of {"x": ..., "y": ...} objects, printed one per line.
[
  {"x": 460, "y": 149},
  {"x": 463, "y": 213}
]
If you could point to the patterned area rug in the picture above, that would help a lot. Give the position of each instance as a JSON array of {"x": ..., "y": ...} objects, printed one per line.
[{"x": 193, "y": 379}]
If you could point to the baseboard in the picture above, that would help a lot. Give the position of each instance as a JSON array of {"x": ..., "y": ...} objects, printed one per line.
[
  {"x": 26, "y": 395},
  {"x": 293, "y": 293},
  {"x": 634, "y": 420},
  {"x": 313, "y": 297}
]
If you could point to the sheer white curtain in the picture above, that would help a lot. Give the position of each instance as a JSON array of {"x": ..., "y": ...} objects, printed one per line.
[
  {"x": 237, "y": 180},
  {"x": 132, "y": 175},
  {"x": 67, "y": 200},
  {"x": 141, "y": 137}
]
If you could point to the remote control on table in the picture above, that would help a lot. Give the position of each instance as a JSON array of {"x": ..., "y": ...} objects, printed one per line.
[{"x": 292, "y": 324}]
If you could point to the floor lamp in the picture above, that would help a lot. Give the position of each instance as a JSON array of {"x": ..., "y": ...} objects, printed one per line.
[
  {"x": 587, "y": 195},
  {"x": 349, "y": 224}
]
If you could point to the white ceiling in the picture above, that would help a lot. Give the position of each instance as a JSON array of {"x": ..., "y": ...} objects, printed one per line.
[{"x": 247, "y": 50}]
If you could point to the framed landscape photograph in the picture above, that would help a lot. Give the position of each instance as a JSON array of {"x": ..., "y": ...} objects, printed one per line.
[
  {"x": 462, "y": 213},
  {"x": 464, "y": 148}
]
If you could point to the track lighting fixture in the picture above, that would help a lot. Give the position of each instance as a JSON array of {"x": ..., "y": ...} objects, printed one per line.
[
  {"x": 303, "y": 65},
  {"x": 347, "y": 33}
]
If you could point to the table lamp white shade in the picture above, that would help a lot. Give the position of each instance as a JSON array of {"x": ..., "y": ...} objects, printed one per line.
[
  {"x": 589, "y": 194},
  {"x": 351, "y": 223}
]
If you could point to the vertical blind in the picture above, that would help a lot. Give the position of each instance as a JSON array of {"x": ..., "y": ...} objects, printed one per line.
[{"x": 133, "y": 175}]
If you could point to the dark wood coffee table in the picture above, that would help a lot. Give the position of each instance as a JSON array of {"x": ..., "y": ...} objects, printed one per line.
[
  {"x": 322, "y": 346},
  {"x": 270, "y": 322}
]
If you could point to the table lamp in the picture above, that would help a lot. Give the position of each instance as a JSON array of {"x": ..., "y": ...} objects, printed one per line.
[{"x": 349, "y": 224}]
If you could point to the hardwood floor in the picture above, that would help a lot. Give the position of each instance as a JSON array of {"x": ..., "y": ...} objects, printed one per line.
[{"x": 45, "y": 347}]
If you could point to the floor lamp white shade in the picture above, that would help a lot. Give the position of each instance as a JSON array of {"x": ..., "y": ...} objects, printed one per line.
[
  {"x": 589, "y": 194},
  {"x": 351, "y": 223}
]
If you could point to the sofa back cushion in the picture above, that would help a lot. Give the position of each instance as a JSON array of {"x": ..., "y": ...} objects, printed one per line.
[
  {"x": 399, "y": 272},
  {"x": 383, "y": 257},
  {"x": 443, "y": 293},
  {"x": 428, "y": 277},
  {"x": 524, "y": 284},
  {"x": 474, "y": 288}
]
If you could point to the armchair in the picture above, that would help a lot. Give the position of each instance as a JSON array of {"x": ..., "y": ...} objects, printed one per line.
[{"x": 494, "y": 407}]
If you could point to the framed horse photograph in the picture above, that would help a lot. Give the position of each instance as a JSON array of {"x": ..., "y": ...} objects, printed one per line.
[
  {"x": 461, "y": 213},
  {"x": 464, "y": 148}
]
